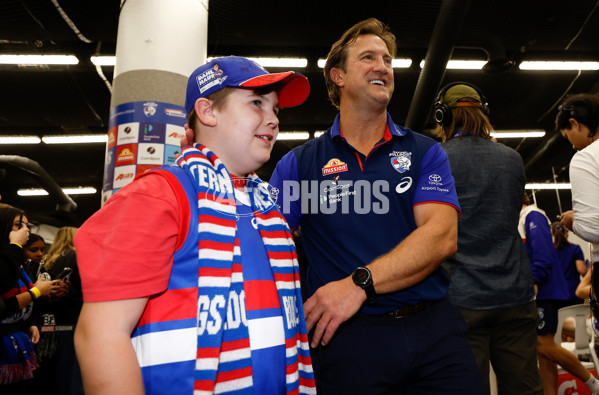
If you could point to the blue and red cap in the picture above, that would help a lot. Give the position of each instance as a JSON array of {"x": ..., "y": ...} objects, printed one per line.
[{"x": 238, "y": 72}]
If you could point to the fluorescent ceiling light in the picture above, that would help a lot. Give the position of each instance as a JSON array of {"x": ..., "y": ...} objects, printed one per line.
[
  {"x": 38, "y": 59},
  {"x": 68, "y": 191},
  {"x": 281, "y": 62},
  {"x": 293, "y": 136},
  {"x": 319, "y": 133},
  {"x": 507, "y": 134},
  {"x": 548, "y": 186},
  {"x": 20, "y": 140},
  {"x": 462, "y": 64},
  {"x": 103, "y": 60},
  {"x": 465, "y": 64},
  {"x": 559, "y": 66},
  {"x": 399, "y": 63},
  {"x": 277, "y": 62},
  {"x": 75, "y": 139}
]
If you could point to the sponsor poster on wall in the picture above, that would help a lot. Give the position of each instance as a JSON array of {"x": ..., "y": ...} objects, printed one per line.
[{"x": 141, "y": 136}]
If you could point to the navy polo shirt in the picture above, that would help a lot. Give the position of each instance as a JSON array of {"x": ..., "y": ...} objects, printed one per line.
[{"x": 353, "y": 208}]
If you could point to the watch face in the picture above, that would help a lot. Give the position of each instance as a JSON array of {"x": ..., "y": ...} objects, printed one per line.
[{"x": 361, "y": 275}]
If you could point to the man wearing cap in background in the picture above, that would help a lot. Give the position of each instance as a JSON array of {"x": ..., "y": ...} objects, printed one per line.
[
  {"x": 190, "y": 276},
  {"x": 491, "y": 280},
  {"x": 378, "y": 214}
]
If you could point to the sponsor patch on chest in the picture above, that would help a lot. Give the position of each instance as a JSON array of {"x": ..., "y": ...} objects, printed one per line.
[{"x": 334, "y": 166}]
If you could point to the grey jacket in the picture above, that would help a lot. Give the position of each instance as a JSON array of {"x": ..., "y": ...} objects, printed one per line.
[{"x": 491, "y": 268}]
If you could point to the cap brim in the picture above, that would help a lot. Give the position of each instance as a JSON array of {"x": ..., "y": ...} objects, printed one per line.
[{"x": 294, "y": 90}]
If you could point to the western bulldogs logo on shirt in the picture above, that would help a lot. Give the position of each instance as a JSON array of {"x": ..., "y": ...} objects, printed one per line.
[{"x": 401, "y": 161}]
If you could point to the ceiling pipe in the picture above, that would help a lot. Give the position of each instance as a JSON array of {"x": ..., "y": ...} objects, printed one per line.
[
  {"x": 65, "y": 203},
  {"x": 540, "y": 152},
  {"x": 446, "y": 31},
  {"x": 491, "y": 45}
]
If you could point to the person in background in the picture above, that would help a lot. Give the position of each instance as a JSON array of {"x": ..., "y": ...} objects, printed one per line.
[
  {"x": 34, "y": 249},
  {"x": 491, "y": 279},
  {"x": 17, "y": 332},
  {"x": 189, "y": 273},
  {"x": 381, "y": 216},
  {"x": 552, "y": 294},
  {"x": 578, "y": 121},
  {"x": 571, "y": 259},
  {"x": 59, "y": 369}
]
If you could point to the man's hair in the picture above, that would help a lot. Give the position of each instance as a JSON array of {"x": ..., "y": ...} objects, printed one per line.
[
  {"x": 337, "y": 56},
  {"x": 219, "y": 99},
  {"x": 584, "y": 107},
  {"x": 466, "y": 121}
]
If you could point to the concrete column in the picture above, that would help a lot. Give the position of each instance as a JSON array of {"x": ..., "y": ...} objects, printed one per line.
[{"x": 159, "y": 44}]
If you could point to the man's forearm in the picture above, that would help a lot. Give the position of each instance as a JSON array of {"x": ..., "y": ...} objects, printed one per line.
[
  {"x": 418, "y": 255},
  {"x": 412, "y": 260}
]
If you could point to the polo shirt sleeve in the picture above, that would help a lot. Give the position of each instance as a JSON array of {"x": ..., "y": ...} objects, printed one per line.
[
  {"x": 541, "y": 248},
  {"x": 125, "y": 250},
  {"x": 436, "y": 184},
  {"x": 285, "y": 184}
]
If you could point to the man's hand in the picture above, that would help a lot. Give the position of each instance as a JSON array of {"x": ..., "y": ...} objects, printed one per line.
[
  {"x": 568, "y": 219},
  {"x": 330, "y": 306}
]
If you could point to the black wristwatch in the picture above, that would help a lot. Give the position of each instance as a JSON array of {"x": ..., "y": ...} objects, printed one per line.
[{"x": 363, "y": 278}]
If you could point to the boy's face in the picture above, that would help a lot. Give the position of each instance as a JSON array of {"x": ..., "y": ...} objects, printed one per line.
[{"x": 246, "y": 129}]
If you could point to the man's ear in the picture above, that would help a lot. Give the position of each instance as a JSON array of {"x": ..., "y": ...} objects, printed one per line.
[
  {"x": 574, "y": 124},
  {"x": 337, "y": 76},
  {"x": 205, "y": 112}
]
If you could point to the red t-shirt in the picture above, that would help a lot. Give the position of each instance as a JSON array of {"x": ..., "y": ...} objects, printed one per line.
[{"x": 125, "y": 250}]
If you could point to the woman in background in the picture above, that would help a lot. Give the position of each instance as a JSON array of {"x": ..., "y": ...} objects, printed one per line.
[
  {"x": 17, "y": 334},
  {"x": 61, "y": 264}
]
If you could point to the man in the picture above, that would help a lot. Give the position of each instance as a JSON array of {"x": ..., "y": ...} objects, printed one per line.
[
  {"x": 378, "y": 214},
  {"x": 491, "y": 280}
]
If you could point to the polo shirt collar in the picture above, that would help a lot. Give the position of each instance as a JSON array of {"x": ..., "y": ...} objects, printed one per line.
[{"x": 392, "y": 129}]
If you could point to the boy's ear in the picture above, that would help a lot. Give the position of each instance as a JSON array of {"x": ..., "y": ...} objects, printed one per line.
[
  {"x": 336, "y": 76},
  {"x": 205, "y": 112}
]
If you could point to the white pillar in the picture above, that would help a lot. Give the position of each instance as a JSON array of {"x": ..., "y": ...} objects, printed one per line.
[{"x": 159, "y": 44}]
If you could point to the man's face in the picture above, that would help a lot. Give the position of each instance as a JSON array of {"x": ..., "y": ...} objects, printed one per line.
[
  {"x": 577, "y": 134},
  {"x": 368, "y": 75}
]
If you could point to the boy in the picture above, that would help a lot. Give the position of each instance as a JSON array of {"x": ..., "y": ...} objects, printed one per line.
[{"x": 201, "y": 293}]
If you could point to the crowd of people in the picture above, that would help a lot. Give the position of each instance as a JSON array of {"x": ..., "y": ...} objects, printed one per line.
[
  {"x": 426, "y": 262},
  {"x": 30, "y": 296}
]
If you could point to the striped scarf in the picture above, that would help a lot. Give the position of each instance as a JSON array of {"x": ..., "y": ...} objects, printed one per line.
[{"x": 223, "y": 362}]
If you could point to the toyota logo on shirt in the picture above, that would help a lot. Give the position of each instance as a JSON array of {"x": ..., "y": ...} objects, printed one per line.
[{"x": 435, "y": 178}]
